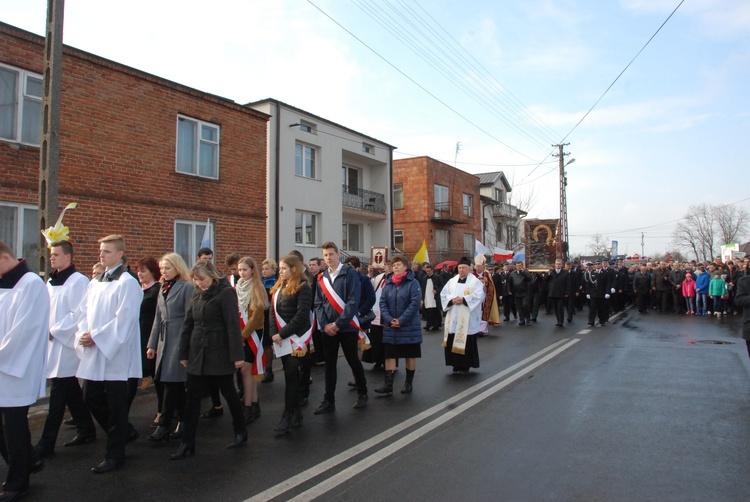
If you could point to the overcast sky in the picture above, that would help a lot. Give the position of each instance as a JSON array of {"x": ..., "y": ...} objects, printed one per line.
[{"x": 506, "y": 79}]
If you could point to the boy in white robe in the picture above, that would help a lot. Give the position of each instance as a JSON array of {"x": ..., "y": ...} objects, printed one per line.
[
  {"x": 108, "y": 342},
  {"x": 66, "y": 288},
  {"x": 462, "y": 298},
  {"x": 24, "y": 314}
]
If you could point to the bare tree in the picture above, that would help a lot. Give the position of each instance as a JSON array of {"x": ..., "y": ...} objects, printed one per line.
[
  {"x": 697, "y": 231},
  {"x": 731, "y": 223},
  {"x": 600, "y": 245},
  {"x": 524, "y": 199}
]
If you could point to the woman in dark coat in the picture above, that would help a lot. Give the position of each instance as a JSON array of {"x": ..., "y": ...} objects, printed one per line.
[
  {"x": 211, "y": 350},
  {"x": 163, "y": 345},
  {"x": 402, "y": 325},
  {"x": 147, "y": 270},
  {"x": 290, "y": 320}
]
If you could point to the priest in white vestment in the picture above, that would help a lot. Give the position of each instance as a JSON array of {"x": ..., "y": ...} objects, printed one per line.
[
  {"x": 24, "y": 314},
  {"x": 462, "y": 298}
]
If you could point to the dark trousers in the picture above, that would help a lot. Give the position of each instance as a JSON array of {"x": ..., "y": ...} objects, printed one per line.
[
  {"x": 15, "y": 447},
  {"x": 662, "y": 300},
  {"x": 643, "y": 299},
  {"x": 65, "y": 391},
  {"x": 348, "y": 342},
  {"x": 558, "y": 305},
  {"x": 677, "y": 300},
  {"x": 317, "y": 340},
  {"x": 572, "y": 306},
  {"x": 173, "y": 403},
  {"x": 433, "y": 318},
  {"x": 108, "y": 403},
  {"x": 293, "y": 377},
  {"x": 522, "y": 306},
  {"x": 375, "y": 353},
  {"x": 534, "y": 300},
  {"x": 508, "y": 307},
  {"x": 195, "y": 386},
  {"x": 598, "y": 307}
]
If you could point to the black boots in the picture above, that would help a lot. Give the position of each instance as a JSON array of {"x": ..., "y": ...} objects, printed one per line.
[
  {"x": 387, "y": 387},
  {"x": 252, "y": 412},
  {"x": 407, "y": 383}
]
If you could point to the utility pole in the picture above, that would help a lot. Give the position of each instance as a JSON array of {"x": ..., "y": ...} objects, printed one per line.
[
  {"x": 49, "y": 148},
  {"x": 643, "y": 254},
  {"x": 562, "y": 228},
  {"x": 458, "y": 148}
]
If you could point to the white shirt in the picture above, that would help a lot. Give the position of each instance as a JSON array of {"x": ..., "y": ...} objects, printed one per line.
[
  {"x": 62, "y": 360},
  {"x": 473, "y": 294},
  {"x": 334, "y": 273},
  {"x": 24, "y": 323}
]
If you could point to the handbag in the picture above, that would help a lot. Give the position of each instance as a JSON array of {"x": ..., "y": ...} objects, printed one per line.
[{"x": 365, "y": 320}]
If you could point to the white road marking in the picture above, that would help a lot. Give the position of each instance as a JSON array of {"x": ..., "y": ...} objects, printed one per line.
[{"x": 342, "y": 457}]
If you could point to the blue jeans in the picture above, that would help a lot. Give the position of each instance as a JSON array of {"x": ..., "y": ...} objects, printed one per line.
[
  {"x": 702, "y": 299},
  {"x": 690, "y": 303}
]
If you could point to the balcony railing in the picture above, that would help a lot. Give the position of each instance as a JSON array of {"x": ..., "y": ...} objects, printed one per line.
[
  {"x": 450, "y": 212},
  {"x": 364, "y": 200},
  {"x": 505, "y": 210}
]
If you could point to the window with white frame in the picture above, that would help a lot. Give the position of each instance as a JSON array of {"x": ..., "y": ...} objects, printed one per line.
[
  {"x": 468, "y": 203},
  {"x": 304, "y": 161},
  {"x": 305, "y": 228},
  {"x": 398, "y": 240},
  {"x": 367, "y": 148},
  {"x": 197, "y": 147},
  {"x": 305, "y": 126},
  {"x": 351, "y": 238},
  {"x": 351, "y": 177},
  {"x": 190, "y": 236},
  {"x": 498, "y": 232},
  {"x": 442, "y": 239},
  {"x": 398, "y": 196},
  {"x": 20, "y": 106},
  {"x": 441, "y": 199},
  {"x": 499, "y": 196},
  {"x": 469, "y": 242},
  {"x": 19, "y": 229}
]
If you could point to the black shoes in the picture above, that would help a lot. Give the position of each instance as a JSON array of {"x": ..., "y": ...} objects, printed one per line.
[
  {"x": 267, "y": 376},
  {"x": 361, "y": 402},
  {"x": 522, "y": 323},
  {"x": 80, "y": 439},
  {"x": 251, "y": 413},
  {"x": 387, "y": 388},
  {"x": 44, "y": 451},
  {"x": 107, "y": 465},
  {"x": 132, "y": 433},
  {"x": 70, "y": 422},
  {"x": 179, "y": 431},
  {"x": 6, "y": 496},
  {"x": 325, "y": 407},
  {"x": 213, "y": 413},
  {"x": 160, "y": 434},
  {"x": 183, "y": 451},
  {"x": 284, "y": 424},
  {"x": 239, "y": 440},
  {"x": 36, "y": 466}
]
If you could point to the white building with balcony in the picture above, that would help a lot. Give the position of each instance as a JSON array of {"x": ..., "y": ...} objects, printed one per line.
[
  {"x": 326, "y": 182},
  {"x": 501, "y": 221}
]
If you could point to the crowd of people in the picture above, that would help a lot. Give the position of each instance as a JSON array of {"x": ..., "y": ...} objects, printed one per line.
[{"x": 214, "y": 332}]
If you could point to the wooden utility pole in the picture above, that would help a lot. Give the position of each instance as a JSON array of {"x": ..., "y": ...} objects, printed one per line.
[
  {"x": 562, "y": 227},
  {"x": 49, "y": 148}
]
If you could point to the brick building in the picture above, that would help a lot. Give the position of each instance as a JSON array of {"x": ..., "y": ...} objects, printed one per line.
[
  {"x": 143, "y": 156},
  {"x": 438, "y": 203}
]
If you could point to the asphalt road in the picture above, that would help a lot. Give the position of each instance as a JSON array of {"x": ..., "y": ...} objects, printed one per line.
[{"x": 641, "y": 409}]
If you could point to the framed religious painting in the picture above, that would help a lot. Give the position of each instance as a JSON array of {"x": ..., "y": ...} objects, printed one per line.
[{"x": 378, "y": 257}]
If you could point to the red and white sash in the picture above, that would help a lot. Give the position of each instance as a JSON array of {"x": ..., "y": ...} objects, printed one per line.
[
  {"x": 300, "y": 344},
  {"x": 253, "y": 342},
  {"x": 338, "y": 305}
]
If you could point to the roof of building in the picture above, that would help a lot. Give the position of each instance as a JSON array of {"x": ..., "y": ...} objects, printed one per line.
[{"x": 492, "y": 178}]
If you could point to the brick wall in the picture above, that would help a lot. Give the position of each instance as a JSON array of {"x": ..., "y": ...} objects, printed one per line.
[{"x": 117, "y": 157}]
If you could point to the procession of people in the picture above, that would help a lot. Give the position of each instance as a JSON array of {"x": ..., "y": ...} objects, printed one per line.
[{"x": 204, "y": 331}]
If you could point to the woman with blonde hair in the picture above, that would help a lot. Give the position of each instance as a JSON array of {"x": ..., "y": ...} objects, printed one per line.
[
  {"x": 211, "y": 350},
  {"x": 253, "y": 303},
  {"x": 291, "y": 331},
  {"x": 163, "y": 345},
  {"x": 268, "y": 270}
]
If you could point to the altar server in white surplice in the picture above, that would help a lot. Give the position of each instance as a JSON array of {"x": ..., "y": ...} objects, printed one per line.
[
  {"x": 24, "y": 314},
  {"x": 67, "y": 288},
  {"x": 108, "y": 341},
  {"x": 462, "y": 298}
]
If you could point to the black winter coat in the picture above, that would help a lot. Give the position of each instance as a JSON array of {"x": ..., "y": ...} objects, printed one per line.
[
  {"x": 294, "y": 310},
  {"x": 211, "y": 338}
]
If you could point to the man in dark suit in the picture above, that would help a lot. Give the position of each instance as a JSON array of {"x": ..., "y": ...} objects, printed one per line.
[{"x": 558, "y": 286}]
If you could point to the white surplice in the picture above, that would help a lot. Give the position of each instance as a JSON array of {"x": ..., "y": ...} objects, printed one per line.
[
  {"x": 473, "y": 294},
  {"x": 62, "y": 360},
  {"x": 110, "y": 312},
  {"x": 24, "y": 331}
]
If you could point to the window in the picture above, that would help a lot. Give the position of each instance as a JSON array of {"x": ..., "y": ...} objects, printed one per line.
[
  {"x": 350, "y": 179},
  {"x": 197, "y": 148},
  {"x": 499, "y": 233},
  {"x": 19, "y": 229},
  {"x": 305, "y": 126},
  {"x": 398, "y": 239},
  {"x": 499, "y": 195},
  {"x": 512, "y": 235},
  {"x": 398, "y": 196},
  {"x": 305, "y": 228},
  {"x": 304, "y": 161},
  {"x": 368, "y": 148},
  {"x": 441, "y": 199},
  {"x": 469, "y": 242},
  {"x": 20, "y": 106},
  {"x": 468, "y": 202},
  {"x": 190, "y": 236},
  {"x": 351, "y": 237},
  {"x": 442, "y": 239}
]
